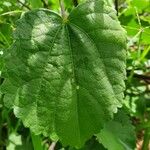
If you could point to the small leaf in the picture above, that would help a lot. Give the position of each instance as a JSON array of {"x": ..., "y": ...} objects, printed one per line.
[
  {"x": 118, "y": 134},
  {"x": 18, "y": 142},
  {"x": 15, "y": 140}
]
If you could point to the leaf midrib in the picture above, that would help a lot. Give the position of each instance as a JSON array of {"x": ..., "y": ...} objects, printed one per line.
[{"x": 75, "y": 82}]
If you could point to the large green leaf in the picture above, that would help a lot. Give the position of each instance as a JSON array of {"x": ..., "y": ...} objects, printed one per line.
[
  {"x": 66, "y": 76},
  {"x": 118, "y": 134}
]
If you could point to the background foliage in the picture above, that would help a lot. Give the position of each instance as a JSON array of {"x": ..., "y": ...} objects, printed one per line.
[{"x": 134, "y": 16}]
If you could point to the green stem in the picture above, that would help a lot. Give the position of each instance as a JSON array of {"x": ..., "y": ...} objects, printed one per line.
[
  {"x": 11, "y": 12},
  {"x": 140, "y": 35},
  {"x": 37, "y": 141},
  {"x": 144, "y": 53},
  {"x": 62, "y": 7},
  {"x": 17, "y": 125},
  {"x": 146, "y": 140},
  {"x": 139, "y": 44},
  {"x": 5, "y": 39},
  {"x": 0, "y": 127}
]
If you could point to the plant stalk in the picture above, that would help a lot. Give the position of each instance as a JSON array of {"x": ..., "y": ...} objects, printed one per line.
[
  {"x": 52, "y": 146},
  {"x": 36, "y": 141},
  {"x": 62, "y": 7},
  {"x": 146, "y": 141}
]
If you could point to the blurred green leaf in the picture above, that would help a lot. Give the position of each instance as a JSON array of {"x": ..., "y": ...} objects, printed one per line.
[
  {"x": 118, "y": 134},
  {"x": 36, "y": 3},
  {"x": 17, "y": 142},
  {"x": 141, "y": 4},
  {"x": 14, "y": 141}
]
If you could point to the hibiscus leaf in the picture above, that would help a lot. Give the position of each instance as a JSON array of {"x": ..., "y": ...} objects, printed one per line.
[{"x": 66, "y": 76}]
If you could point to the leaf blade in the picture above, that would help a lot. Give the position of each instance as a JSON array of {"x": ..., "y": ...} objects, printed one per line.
[{"x": 64, "y": 71}]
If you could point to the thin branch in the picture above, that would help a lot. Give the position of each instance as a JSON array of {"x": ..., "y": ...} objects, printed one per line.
[
  {"x": 75, "y": 2},
  {"x": 52, "y": 146},
  {"x": 24, "y": 5}
]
